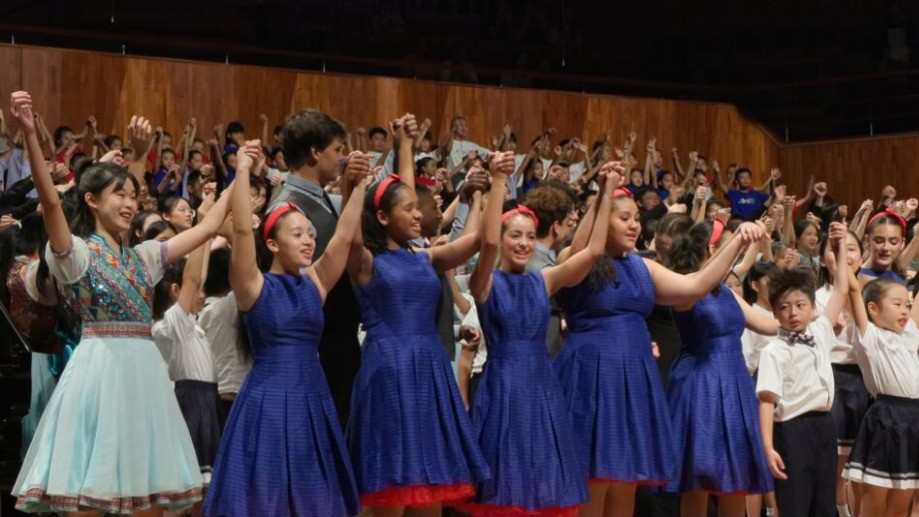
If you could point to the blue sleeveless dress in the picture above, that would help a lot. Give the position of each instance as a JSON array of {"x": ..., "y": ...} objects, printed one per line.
[
  {"x": 410, "y": 437},
  {"x": 283, "y": 450},
  {"x": 611, "y": 381},
  {"x": 713, "y": 403},
  {"x": 519, "y": 409}
]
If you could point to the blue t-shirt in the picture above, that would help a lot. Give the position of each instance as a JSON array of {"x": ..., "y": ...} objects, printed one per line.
[{"x": 745, "y": 203}]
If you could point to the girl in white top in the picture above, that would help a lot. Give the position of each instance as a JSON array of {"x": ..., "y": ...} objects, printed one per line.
[
  {"x": 851, "y": 400},
  {"x": 185, "y": 348},
  {"x": 756, "y": 293},
  {"x": 885, "y": 456}
]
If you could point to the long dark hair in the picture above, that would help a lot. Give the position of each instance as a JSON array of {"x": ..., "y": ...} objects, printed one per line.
[
  {"x": 374, "y": 233},
  {"x": 95, "y": 179},
  {"x": 162, "y": 296},
  {"x": 27, "y": 238}
]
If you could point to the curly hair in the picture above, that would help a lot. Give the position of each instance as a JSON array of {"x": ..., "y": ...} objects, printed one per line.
[{"x": 551, "y": 204}]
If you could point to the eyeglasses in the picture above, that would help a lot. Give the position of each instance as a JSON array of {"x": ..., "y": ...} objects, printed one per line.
[{"x": 183, "y": 210}]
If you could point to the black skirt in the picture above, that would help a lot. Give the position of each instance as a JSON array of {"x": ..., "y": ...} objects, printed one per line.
[
  {"x": 198, "y": 402},
  {"x": 850, "y": 404},
  {"x": 886, "y": 451}
]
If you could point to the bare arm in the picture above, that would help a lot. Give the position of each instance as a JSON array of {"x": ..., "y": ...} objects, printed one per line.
[
  {"x": 330, "y": 266},
  {"x": 141, "y": 134},
  {"x": 766, "y": 415},
  {"x": 56, "y": 224},
  {"x": 675, "y": 289},
  {"x": 192, "y": 279},
  {"x": 838, "y": 299},
  {"x": 755, "y": 321},
  {"x": 577, "y": 266},
  {"x": 245, "y": 278},
  {"x": 481, "y": 278}
]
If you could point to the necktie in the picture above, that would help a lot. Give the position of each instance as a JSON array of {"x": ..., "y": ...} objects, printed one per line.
[
  {"x": 328, "y": 203},
  {"x": 800, "y": 338}
]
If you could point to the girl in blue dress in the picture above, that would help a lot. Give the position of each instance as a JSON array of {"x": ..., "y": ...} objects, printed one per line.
[
  {"x": 410, "y": 437},
  {"x": 712, "y": 400},
  {"x": 112, "y": 438},
  {"x": 606, "y": 367},
  {"x": 283, "y": 450},
  {"x": 519, "y": 410}
]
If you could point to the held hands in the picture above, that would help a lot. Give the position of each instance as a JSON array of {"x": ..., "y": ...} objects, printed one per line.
[
  {"x": 476, "y": 181},
  {"x": 21, "y": 110},
  {"x": 248, "y": 155},
  {"x": 837, "y": 233},
  {"x": 611, "y": 174},
  {"x": 889, "y": 192},
  {"x": 501, "y": 163},
  {"x": 751, "y": 232},
  {"x": 358, "y": 167},
  {"x": 113, "y": 156}
]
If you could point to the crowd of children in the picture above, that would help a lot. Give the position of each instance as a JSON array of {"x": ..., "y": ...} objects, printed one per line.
[{"x": 332, "y": 322}]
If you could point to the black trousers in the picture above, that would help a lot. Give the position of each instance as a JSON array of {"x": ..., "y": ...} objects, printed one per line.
[{"x": 807, "y": 445}]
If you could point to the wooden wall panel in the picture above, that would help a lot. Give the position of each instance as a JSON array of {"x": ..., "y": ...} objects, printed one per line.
[
  {"x": 70, "y": 85},
  {"x": 856, "y": 169}
]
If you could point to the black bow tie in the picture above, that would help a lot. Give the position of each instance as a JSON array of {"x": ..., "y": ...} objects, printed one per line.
[{"x": 800, "y": 338}]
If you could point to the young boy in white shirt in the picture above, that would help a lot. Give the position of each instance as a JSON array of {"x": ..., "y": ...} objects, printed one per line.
[{"x": 795, "y": 387}]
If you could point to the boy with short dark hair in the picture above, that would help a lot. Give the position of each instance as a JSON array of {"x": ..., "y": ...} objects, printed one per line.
[{"x": 795, "y": 387}]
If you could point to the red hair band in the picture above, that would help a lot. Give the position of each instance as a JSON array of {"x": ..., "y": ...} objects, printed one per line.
[
  {"x": 381, "y": 189},
  {"x": 276, "y": 214},
  {"x": 427, "y": 182},
  {"x": 521, "y": 209},
  {"x": 622, "y": 191},
  {"x": 717, "y": 231},
  {"x": 889, "y": 213}
]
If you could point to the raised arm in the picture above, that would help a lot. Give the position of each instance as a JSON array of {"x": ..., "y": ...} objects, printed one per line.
[
  {"x": 55, "y": 223},
  {"x": 245, "y": 277},
  {"x": 481, "y": 278},
  {"x": 186, "y": 242},
  {"x": 577, "y": 266},
  {"x": 838, "y": 299},
  {"x": 719, "y": 177},
  {"x": 754, "y": 320},
  {"x": 675, "y": 289},
  {"x": 141, "y": 134},
  {"x": 192, "y": 278},
  {"x": 330, "y": 266},
  {"x": 458, "y": 251}
]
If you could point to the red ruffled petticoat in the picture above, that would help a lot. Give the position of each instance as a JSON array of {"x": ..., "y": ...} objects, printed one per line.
[
  {"x": 494, "y": 510},
  {"x": 642, "y": 483},
  {"x": 418, "y": 495}
]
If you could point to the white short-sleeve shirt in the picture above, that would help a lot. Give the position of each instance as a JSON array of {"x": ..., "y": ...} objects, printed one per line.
[
  {"x": 220, "y": 321},
  {"x": 754, "y": 343},
  {"x": 184, "y": 346},
  {"x": 461, "y": 148},
  {"x": 890, "y": 360},
  {"x": 800, "y": 376}
]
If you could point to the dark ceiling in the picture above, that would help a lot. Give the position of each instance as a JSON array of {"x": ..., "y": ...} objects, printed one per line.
[{"x": 806, "y": 69}]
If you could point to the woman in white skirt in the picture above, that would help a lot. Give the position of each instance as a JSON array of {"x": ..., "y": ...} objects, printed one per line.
[{"x": 112, "y": 438}]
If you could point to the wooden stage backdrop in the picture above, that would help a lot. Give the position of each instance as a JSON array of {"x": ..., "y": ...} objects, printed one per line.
[{"x": 69, "y": 85}]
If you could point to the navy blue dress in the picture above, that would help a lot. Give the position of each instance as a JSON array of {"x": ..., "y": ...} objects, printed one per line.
[
  {"x": 409, "y": 434},
  {"x": 607, "y": 369},
  {"x": 519, "y": 410},
  {"x": 283, "y": 451},
  {"x": 713, "y": 403}
]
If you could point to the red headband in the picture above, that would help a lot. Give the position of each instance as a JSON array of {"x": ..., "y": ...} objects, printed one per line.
[
  {"x": 717, "y": 231},
  {"x": 889, "y": 213},
  {"x": 521, "y": 209},
  {"x": 622, "y": 191},
  {"x": 381, "y": 189},
  {"x": 276, "y": 214}
]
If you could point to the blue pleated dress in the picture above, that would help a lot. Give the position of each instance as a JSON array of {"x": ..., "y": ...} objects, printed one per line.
[
  {"x": 410, "y": 437},
  {"x": 611, "y": 381},
  {"x": 283, "y": 451},
  {"x": 713, "y": 403},
  {"x": 519, "y": 411}
]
